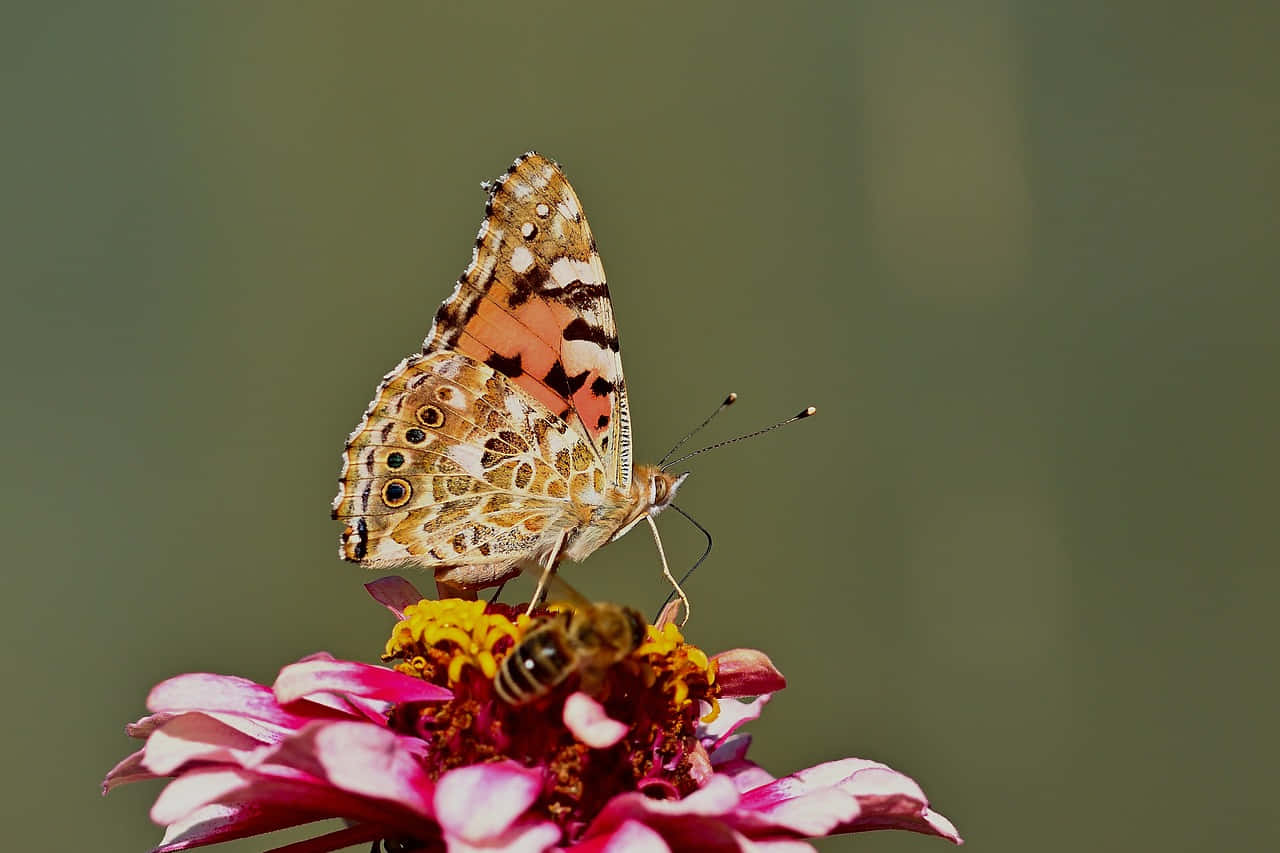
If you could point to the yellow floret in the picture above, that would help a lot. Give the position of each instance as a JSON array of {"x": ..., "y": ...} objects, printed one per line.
[{"x": 458, "y": 628}]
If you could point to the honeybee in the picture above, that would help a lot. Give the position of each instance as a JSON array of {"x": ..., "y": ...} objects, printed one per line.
[{"x": 587, "y": 640}]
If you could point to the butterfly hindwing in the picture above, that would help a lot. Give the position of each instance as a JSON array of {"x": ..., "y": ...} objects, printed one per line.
[
  {"x": 534, "y": 305},
  {"x": 454, "y": 465}
]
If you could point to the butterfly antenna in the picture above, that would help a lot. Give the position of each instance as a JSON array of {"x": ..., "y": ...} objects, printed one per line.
[
  {"x": 808, "y": 412},
  {"x": 687, "y": 574},
  {"x": 728, "y": 401}
]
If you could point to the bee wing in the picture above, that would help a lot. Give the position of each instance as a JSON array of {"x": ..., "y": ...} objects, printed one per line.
[{"x": 559, "y": 590}]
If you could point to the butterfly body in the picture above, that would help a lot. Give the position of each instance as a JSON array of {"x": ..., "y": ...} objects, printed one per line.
[{"x": 507, "y": 440}]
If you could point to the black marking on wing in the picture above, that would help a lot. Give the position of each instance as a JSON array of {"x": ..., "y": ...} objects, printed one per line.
[
  {"x": 525, "y": 284},
  {"x": 509, "y": 367},
  {"x": 578, "y": 294},
  {"x": 581, "y": 330},
  {"x": 557, "y": 380},
  {"x": 362, "y": 539}
]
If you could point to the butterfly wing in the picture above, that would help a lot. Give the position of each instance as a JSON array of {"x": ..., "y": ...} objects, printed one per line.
[
  {"x": 454, "y": 465},
  {"x": 534, "y": 306}
]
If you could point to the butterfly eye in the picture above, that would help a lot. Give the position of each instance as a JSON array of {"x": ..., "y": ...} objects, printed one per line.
[
  {"x": 396, "y": 493},
  {"x": 659, "y": 490},
  {"x": 430, "y": 416}
]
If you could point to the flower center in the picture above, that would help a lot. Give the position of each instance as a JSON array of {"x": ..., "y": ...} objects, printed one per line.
[{"x": 657, "y": 691}]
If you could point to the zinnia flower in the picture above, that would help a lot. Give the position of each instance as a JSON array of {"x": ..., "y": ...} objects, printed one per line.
[{"x": 425, "y": 756}]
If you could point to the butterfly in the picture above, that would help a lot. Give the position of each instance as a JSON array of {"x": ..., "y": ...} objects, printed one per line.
[{"x": 506, "y": 442}]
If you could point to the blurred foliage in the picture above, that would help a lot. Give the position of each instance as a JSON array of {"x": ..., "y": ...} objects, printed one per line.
[{"x": 1023, "y": 256}]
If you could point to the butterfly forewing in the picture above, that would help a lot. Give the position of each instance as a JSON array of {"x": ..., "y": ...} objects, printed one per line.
[{"x": 534, "y": 305}]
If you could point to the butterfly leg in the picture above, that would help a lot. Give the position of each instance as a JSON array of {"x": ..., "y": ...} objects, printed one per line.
[{"x": 666, "y": 571}]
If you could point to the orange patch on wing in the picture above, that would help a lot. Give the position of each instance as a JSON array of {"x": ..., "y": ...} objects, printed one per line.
[{"x": 592, "y": 408}]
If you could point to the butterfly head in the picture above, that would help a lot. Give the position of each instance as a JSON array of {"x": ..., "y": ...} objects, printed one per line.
[
  {"x": 652, "y": 490},
  {"x": 660, "y": 485}
]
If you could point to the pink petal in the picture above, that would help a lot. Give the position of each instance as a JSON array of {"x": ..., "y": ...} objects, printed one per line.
[
  {"x": 826, "y": 775},
  {"x": 730, "y": 759},
  {"x": 360, "y": 759},
  {"x": 148, "y": 724},
  {"x": 261, "y": 731},
  {"x": 925, "y": 821},
  {"x": 886, "y": 799},
  {"x": 586, "y": 718},
  {"x": 717, "y": 798},
  {"x": 524, "y": 837},
  {"x": 316, "y": 656},
  {"x": 195, "y": 737},
  {"x": 747, "y": 672},
  {"x": 483, "y": 800},
  {"x": 733, "y": 748},
  {"x": 733, "y": 714},
  {"x": 190, "y": 792},
  {"x": 131, "y": 769},
  {"x": 199, "y": 691},
  {"x": 871, "y": 776},
  {"x": 630, "y": 837},
  {"x": 216, "y": 823},
  {"x": 814, "y": 814},
  {"x": 300, "y": 680},
  {"x": 394, "y": 593},
  {"x": 890, "y": 799},
  {"x": 277, "y": 791}
]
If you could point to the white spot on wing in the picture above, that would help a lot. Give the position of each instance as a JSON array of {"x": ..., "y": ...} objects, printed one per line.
[
  {"x": 588, "y": 352},
  {"x": 527, "y": 229},
  {"x": 521, "y": 260},
  {"x": 468, "y": 456},
  {"x": 542, "y": 209},
  {"x": 520, "y": 189},
  {"x": 567, "y": 270}
]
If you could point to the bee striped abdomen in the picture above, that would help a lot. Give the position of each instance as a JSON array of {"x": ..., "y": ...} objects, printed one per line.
[{"x": 536, "y": 664}]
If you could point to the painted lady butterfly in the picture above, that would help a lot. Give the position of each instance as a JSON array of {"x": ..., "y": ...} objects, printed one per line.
[{"x": 507, "y": 440}]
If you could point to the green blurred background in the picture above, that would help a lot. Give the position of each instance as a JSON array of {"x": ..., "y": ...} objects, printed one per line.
[{"x": 1022, "y": 256}]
